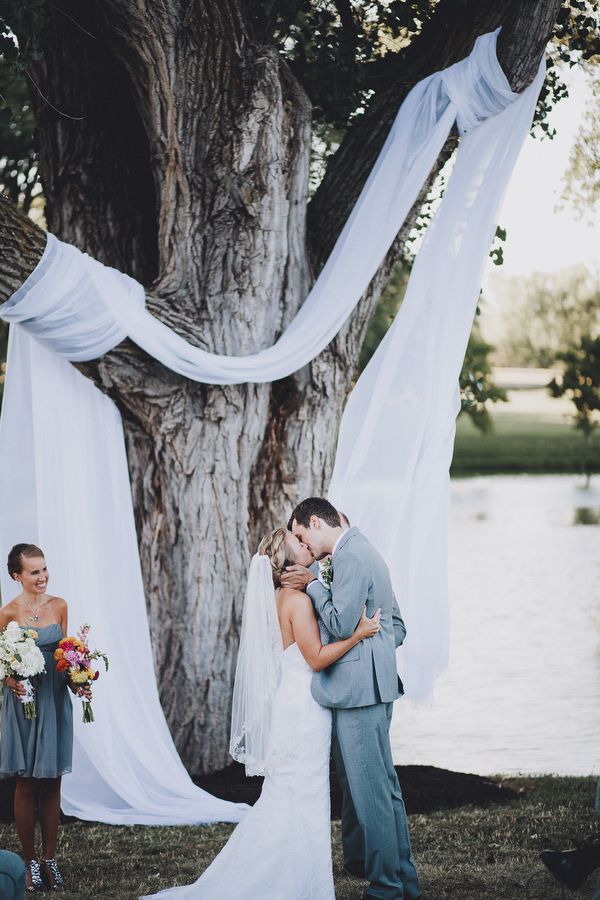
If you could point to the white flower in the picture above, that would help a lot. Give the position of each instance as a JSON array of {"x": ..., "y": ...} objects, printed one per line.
[{"x": 19, "y": 654}]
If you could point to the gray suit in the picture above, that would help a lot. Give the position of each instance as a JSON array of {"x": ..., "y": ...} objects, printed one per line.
[{"x": 360, "y": 689}]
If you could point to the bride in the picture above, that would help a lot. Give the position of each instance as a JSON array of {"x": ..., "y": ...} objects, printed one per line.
[{"x": 281, "y": 850}]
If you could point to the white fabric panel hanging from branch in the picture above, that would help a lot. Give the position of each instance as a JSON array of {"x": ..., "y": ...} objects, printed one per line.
[{"x": 396, "y": 440}]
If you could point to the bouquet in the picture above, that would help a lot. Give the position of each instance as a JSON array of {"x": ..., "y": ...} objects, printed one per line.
[
  {"x": 21, "y": 658},
  {"x": 74, "y": 657}
]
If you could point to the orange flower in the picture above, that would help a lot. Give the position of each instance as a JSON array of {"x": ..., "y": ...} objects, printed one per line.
[
  {"x": 62, "y": 665},
  {"x": 59, "y": 653}
]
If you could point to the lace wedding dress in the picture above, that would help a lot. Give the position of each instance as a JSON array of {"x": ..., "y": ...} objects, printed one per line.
[{"x": 281, "y": 850}]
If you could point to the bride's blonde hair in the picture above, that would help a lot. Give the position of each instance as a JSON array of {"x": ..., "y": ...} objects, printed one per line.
[{"x": 274, "y": 547}]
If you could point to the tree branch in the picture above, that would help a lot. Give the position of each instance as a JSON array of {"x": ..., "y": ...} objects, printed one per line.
[
  {"x": 22, "y": 247},
  {"x": 526, "y": 30},
  {"x": 446, "y": 38}
]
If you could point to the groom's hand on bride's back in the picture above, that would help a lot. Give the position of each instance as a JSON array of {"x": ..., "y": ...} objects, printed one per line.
[{"x": 297, "y": 577}]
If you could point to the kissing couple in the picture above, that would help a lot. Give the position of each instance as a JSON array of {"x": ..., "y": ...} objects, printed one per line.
[{"x": 316, "y": 673}]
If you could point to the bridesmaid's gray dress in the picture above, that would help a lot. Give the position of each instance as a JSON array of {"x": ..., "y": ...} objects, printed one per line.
[{"x": 40, "y": 747}]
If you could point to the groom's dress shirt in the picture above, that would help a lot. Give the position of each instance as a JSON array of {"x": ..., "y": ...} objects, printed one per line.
[
  {"x": 367, "y": 674},
  {"x": 316, "y": 566}
]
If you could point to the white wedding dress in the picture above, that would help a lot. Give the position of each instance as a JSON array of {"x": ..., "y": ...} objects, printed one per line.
[{"x": 281, "y": 850}]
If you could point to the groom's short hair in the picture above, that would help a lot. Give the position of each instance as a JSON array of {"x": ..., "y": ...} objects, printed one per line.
[{"x": 315, "y": 506}]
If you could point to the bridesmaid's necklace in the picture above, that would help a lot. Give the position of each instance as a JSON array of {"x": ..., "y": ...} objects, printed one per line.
[{"x": 36, "y": 615}]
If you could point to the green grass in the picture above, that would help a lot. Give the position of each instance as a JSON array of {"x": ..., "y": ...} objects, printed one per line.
[
  {"x": 466, "y": 853},
  {"x": 520, "y": 444}
]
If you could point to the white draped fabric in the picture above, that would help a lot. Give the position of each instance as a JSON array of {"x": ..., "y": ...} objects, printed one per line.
[
  {"x": 63, "y": 473},
  {"x": 76, "y": 306},
  {"x": 397, "y": 433},
  {"x": 65, "y": 486}
]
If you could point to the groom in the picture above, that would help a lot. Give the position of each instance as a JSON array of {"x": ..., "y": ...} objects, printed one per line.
[{"x": 360, "y": 690}]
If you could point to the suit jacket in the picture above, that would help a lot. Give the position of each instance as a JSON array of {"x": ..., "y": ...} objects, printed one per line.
[{"x": 367, "y": 674}]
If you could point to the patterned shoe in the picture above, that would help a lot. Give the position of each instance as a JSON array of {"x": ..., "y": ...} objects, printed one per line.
[
  {"x": 33, "y": 877},
  {"x": 52, "y": 877}
]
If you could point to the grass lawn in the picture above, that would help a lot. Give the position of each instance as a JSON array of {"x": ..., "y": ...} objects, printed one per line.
[
  {"x": 522, "y": 440},
  {"x": 470, "y": 852}
]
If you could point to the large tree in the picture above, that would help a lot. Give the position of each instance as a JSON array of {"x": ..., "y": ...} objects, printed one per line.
[{"x": 174, "y": 141}]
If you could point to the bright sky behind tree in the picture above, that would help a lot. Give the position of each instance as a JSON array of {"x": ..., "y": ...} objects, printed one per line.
[{"x": 541, "y": 237}]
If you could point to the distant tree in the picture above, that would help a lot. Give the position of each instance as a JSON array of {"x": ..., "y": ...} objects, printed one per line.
[
  {"x": 580, "y": 382},
  {"x": 545, "y": 313},
  {"x": 582, "y": 178},
  {"x": 477, "y": 389}
]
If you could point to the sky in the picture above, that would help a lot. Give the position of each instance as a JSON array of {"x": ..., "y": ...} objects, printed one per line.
[{"x": 539, "y": 237}]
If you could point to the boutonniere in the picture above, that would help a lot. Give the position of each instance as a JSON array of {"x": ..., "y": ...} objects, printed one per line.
[{"x": 326, "y": 571}]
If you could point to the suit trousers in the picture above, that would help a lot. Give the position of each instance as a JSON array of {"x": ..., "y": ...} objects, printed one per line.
[{"x": 374, "y": 827}]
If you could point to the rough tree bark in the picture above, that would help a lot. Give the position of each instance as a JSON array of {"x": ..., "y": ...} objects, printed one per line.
[{"x": 181, "y": 157}]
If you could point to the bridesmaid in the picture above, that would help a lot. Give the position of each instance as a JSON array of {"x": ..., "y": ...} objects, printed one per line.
[{"x": 37, "y": 751}]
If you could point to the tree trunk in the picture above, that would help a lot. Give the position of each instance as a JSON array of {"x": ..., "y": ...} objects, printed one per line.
[{"x": 180, "y": 155}]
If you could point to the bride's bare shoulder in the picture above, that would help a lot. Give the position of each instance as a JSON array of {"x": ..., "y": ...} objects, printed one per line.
[
  {"x": 296, "y": 603},
  {"x": 291, "y": 595}
]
